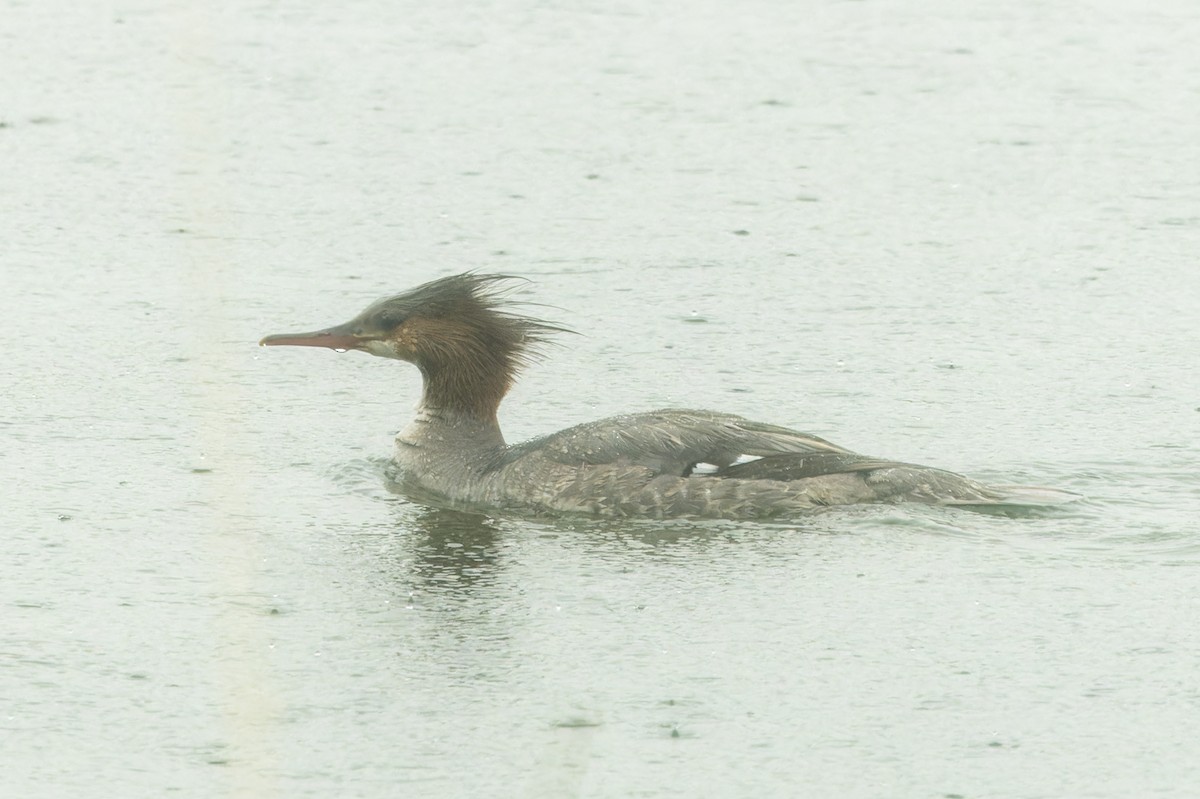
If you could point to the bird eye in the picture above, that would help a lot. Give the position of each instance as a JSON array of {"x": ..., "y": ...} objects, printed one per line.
[{"x": 389, "y": 319}]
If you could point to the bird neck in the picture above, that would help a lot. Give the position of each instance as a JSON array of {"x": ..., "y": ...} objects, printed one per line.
[{"x": 466, "y": 391}]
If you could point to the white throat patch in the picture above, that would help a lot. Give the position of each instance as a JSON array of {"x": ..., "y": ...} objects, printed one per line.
[{"x": 384, "y": 349}]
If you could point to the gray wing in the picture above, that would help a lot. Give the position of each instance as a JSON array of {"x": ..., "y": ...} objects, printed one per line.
[
  {"x": 672, "y": 441},
  {"x": 802, "y": 466},
  {"x": 646, "y": 465}
]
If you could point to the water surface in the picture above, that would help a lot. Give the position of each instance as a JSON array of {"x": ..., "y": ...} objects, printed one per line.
[{"x": 957, "y": 235}]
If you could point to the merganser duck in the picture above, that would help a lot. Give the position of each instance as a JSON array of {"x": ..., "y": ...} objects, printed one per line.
[{"x": 469, "y": 347}]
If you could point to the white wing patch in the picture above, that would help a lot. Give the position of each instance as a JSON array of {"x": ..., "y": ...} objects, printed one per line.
[{"x": 703, "y": 468}]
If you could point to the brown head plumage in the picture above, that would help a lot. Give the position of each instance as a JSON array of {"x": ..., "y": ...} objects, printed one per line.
[{"x": 459, "y": 332}]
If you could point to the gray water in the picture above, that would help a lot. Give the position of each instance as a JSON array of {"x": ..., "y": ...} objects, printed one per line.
[{"x": 962, "y": 234}]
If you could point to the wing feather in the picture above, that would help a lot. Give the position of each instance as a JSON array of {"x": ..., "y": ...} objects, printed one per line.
[{"x": 671, "y": 441}]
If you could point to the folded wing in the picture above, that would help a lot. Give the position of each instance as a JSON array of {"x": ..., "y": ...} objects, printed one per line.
[{"x": 675, "y": 441}]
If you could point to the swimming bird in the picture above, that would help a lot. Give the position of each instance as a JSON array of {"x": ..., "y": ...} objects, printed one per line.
[{"x": 469, "y": 344}]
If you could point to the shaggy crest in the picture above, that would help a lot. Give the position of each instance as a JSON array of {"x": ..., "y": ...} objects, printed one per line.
[{"x": 461, "y": 333}]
